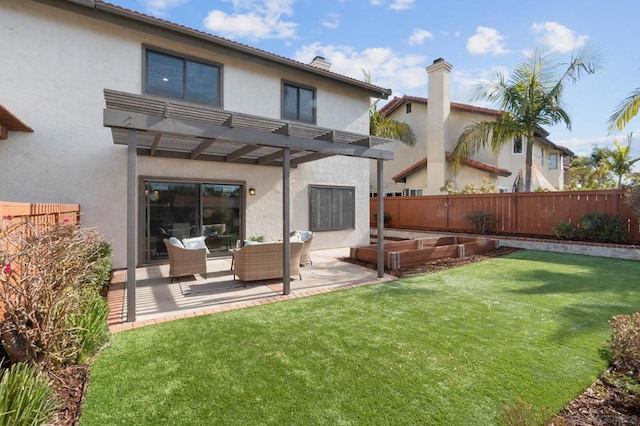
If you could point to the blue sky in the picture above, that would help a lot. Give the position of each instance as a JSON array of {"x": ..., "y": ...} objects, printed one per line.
[{"x": 395, "y": 40}]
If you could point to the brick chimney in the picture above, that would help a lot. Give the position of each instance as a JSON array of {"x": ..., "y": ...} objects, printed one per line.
[
  {"x": 321, "y": 63},
  {"x": 438, "y": 126}
]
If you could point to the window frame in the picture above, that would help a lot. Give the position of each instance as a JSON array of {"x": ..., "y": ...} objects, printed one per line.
[
  {"x": 551, "y": 163},
  {"x": 184, "y": 58},
  {"x": 298, "y": 86},
  {"x": 313, "y": 226},
  {"x": 513, "y": 146}
]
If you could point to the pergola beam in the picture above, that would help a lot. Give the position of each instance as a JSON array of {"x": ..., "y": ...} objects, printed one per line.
[
  {"x": 168, "y": 126},
  {"x": 201, "y": 148}
]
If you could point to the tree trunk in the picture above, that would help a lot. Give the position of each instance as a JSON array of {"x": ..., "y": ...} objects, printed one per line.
[{"x": 528, "y": 163}]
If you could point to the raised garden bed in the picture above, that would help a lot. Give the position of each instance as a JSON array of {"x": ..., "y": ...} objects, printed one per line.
[{"x": 406, "y": 253}]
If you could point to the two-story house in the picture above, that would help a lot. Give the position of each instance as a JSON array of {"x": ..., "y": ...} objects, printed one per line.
[
  {"x": 437, "y": 122},
  {"x": 157, "y": 129}
]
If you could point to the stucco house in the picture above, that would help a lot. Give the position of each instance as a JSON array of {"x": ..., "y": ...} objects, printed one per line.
[
  {"x": 437, "y": 123},
  {"x": 157, "y": 129}
]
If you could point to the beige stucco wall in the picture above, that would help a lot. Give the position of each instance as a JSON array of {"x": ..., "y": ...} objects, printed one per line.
[
  {"x": 60, "y": 62},
  {"x": 405, "y": 156}
]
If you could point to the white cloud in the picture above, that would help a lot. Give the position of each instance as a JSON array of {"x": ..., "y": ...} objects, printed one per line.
[
  {"x": 486, "y": 40},
  {"x": 159, "y": 7},
  {"x": 404, "y": 74},
  {"x": 465, "y": 83},
  {"x": 254, "y": 19},
  {"x": 331, "y": 21},
  {"x": 418, "y": 36},
  {"x": 401, "y": 4},
  {"x": 558, "y": 37},
  {"x": 395, "y": 4}
]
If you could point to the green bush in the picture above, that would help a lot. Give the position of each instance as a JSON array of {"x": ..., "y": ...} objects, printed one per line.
[
  {"x": 482, "y": 221},
  {"x": 601, "y": 227},
  {"x": 88, "y": 330},
  {"x": 625, "y": 343},
  {"x": 564, "y": 230},
  {"x": 25, "y": 397}
]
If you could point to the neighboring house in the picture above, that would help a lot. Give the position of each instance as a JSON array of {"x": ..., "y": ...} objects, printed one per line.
[
  {"x": 198, "y": 134},
  {"x": 437, "y": 122}
]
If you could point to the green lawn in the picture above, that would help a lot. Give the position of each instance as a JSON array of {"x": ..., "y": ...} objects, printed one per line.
[{"x": 451, "y": 348}]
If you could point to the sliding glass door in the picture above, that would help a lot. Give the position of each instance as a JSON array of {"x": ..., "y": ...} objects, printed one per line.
[{"x": 191, "y": 209}]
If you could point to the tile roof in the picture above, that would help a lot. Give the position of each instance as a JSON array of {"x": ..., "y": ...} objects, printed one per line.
[
  {"x": 396, "y": 102},
  {"x": 123, "y": 12},
  {"x": 479, "y": 165}
]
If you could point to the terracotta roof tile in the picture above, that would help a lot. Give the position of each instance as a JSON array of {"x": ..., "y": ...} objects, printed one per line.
[
  {"x": 479, "y": 165},
  {"x": 396, "y": 102}
]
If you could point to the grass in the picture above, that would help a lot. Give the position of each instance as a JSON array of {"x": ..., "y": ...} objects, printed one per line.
[{"x": 455, "y": 347}]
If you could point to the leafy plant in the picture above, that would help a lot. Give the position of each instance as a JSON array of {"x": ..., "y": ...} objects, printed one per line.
[
  {"x": 257, "y": 238},
  {"x": 386, "y": 217},
  {"x": 601, "y": 227},
  {"x": 51, "y": 276},
  {"x": 625, "y": 343},
  {"x": 564, "y": 230},
  {"x": 481, "y": 220},
  {"x": 25, "y": 396},
  {"x": 89, "y": 329}
]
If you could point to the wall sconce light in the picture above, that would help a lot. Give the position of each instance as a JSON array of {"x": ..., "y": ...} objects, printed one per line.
[{"x": 252, "y": 191}]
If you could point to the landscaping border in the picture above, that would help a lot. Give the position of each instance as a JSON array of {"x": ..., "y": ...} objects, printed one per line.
[{"x": 619, "y": 251}]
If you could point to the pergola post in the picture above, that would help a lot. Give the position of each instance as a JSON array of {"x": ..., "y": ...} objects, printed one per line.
[
  {"x": 286, "y": 212},
  {"x": 380, "y": 219},
  {"x": 132, "y": 143}
]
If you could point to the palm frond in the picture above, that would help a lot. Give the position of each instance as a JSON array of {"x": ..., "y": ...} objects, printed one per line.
[{"x": 625, "y": 111}]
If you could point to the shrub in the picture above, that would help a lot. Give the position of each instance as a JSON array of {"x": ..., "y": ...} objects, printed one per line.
[
  {"x": 25, "y": 396},
  {"x": 601, "y": 227},
  {"x": 49, "y": 277},
  {"x": 625, "y": 342},
  {"x": 564, "y": 230},
  {"x": 482, "y": 221},
  {"x": 88, "y": 330},
  {"x": 386, "y": 217}
]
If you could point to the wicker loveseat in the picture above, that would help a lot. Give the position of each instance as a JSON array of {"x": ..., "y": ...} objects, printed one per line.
[{"x": 264, "y": 261}]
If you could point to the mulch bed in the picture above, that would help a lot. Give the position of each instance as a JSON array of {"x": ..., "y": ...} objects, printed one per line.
[{"x": 69, "y": 385}]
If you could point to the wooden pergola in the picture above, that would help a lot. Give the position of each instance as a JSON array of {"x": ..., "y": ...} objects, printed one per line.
[{"x": 170, "y": 128}]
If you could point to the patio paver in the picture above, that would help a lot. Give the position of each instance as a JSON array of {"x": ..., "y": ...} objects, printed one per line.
[{"x": 159, "y": 300}]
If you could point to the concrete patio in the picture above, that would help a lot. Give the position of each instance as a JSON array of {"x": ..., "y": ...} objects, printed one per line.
[{"x": 159, "y": 300}]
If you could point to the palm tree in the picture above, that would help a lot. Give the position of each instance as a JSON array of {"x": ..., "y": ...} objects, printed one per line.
[
  {"x": 619, "y": 160},
  {"x": 626, "y": 110},
  {"x": 530, "y": 98},
  {"x": 385, "y": 127}
]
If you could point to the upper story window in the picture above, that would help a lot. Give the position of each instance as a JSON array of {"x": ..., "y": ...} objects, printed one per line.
[
  {"x": 542, "y": 156},
  {"x": 517, "y": 146},
  {"x": 553, "y": 161},
  {"x": 298, "y": 103},
  {"x": 408, "y": 107},
  {"x": 182, "y": 78}
]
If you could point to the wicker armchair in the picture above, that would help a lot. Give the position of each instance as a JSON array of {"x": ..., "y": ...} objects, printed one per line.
[
  {"x": 184, "y": 261},
  {"x": 307, "y": 238},
  {"x": 264, "y": 261}
]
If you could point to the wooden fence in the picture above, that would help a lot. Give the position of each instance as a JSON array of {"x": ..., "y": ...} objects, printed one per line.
[
  {"x": 518, "y": 213},
  {"x": 40, "y": 213}
]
